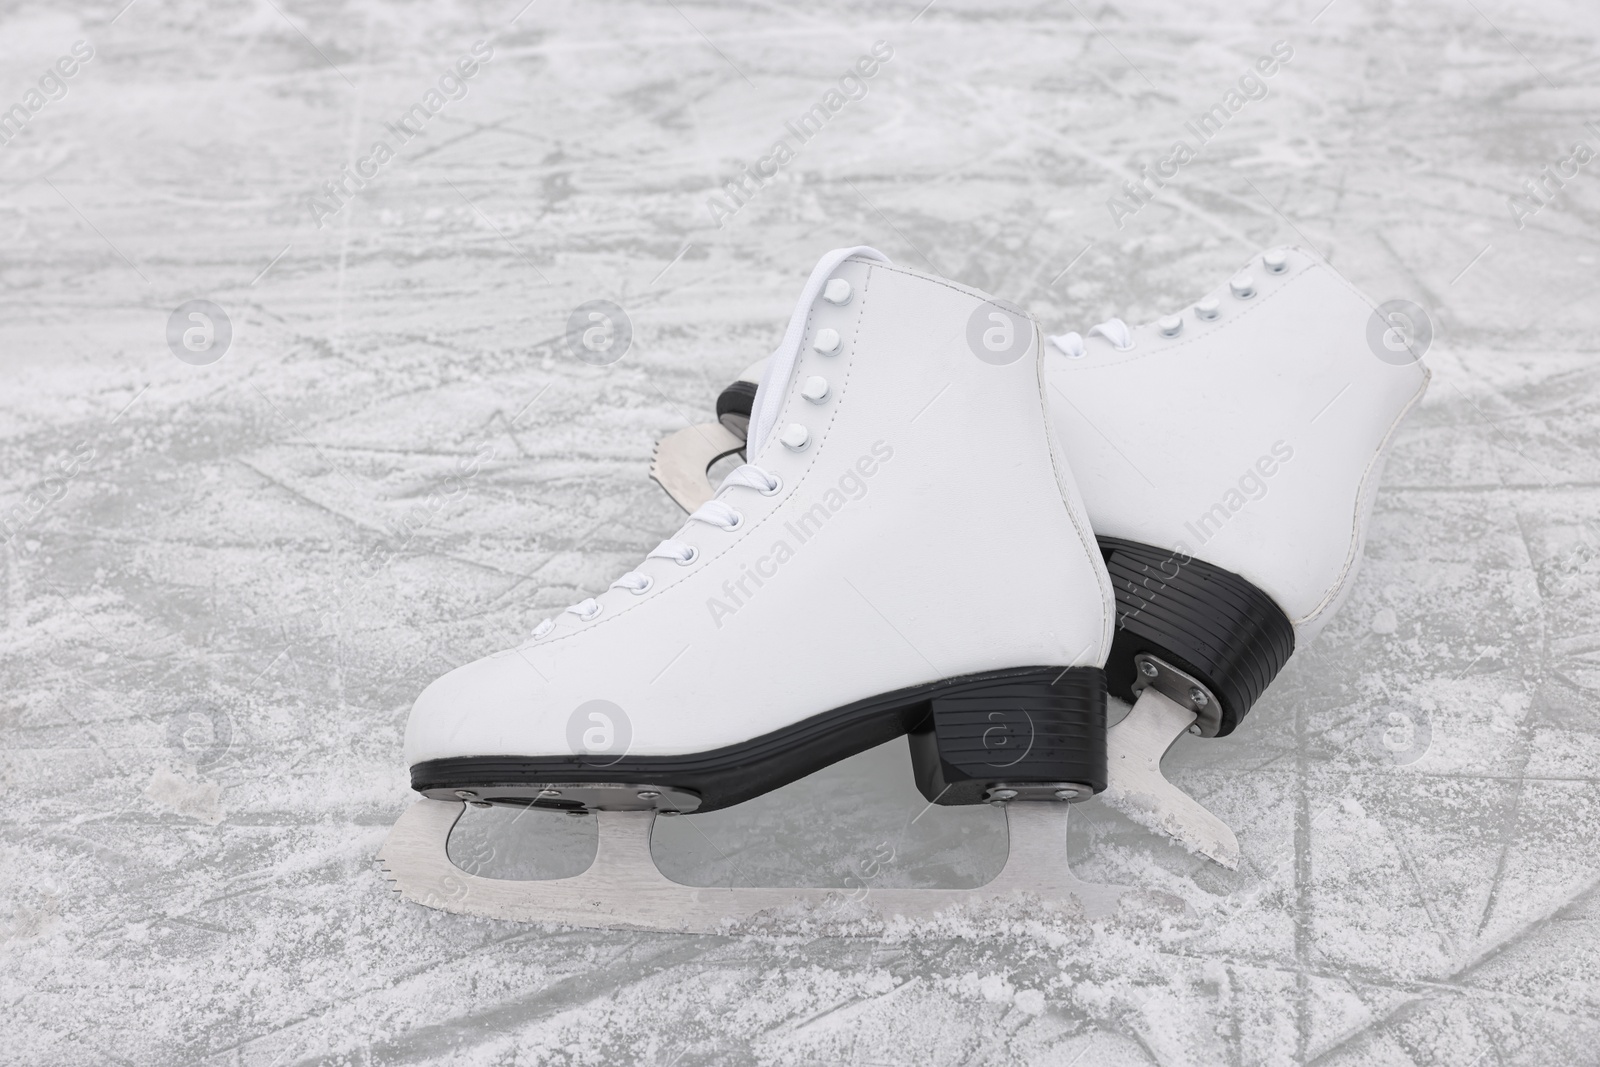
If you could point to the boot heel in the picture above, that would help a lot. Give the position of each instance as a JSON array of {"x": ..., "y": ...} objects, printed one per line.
[
  {"x": 1220, "y": 640},
  {"x": 1040, "y": 735}
]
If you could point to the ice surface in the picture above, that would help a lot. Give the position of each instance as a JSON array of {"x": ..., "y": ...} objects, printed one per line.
[{"x": 223, "y": 584}]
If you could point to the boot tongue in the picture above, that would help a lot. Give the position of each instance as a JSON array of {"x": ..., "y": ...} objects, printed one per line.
[{"x": 780, "y": 365}]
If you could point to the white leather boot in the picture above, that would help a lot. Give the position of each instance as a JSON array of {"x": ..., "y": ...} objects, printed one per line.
[
  {"x": 904, "y": 553},
  {"x": 1228, "y": 456}
]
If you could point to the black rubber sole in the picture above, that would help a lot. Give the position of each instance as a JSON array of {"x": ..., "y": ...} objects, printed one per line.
[
  {"x": 1205, "y": 621},
  {"x": 1025, "y": 729}
]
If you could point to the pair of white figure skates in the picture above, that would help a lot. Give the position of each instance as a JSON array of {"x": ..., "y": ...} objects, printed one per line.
[{"x": 948, "y": 528}]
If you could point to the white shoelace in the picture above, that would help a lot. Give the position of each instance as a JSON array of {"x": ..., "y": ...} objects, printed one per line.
[
  {"x": 1114, "y": 330},
  {"x": 780, "y": 365},
  {"x": 763, "y": 417},
  {"x": 714, "y": 512}
]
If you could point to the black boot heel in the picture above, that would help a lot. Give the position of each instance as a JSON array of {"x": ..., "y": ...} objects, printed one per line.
[
  {"x": 1217, "y": 640},
  {"x": 1038, "y": 736}
]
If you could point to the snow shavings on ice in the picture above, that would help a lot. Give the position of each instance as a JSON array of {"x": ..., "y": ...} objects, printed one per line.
[{"x": 226, "y": 583}]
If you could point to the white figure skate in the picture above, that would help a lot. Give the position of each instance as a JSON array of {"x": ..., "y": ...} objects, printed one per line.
[
  {"x": 1228, "y": 457},
  {"x": 904, "y": 553}
]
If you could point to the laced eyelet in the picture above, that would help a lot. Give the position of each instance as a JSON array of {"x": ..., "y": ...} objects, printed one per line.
[
  {"x": 694, "y": 554},
  {"x": 1070, "y": 345},
  {"x": 627, "y": 581},
  {"x": 738, "y": 522},
  {"x": 777, "y": 487},
  {"x": 543, "y": 628},
  {"x": 593, "y": 615}
]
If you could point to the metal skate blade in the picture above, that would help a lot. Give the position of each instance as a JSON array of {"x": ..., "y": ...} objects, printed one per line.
[
  {"x": 623, "y": 888},
  {"x": 1136, "y": 787},
  {"x": 682, "y": 459}
]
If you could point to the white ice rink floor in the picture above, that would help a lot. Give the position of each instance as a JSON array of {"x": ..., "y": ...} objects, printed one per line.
[{"x": 223, "y": 584}]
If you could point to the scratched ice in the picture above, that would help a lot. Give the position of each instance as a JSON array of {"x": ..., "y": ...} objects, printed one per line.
[{"x": 224, "y": 579}]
